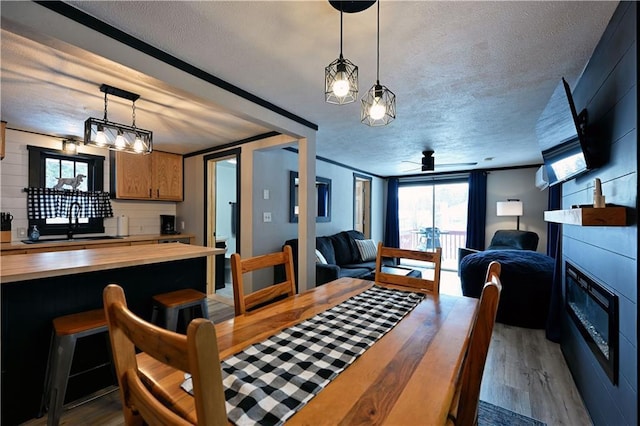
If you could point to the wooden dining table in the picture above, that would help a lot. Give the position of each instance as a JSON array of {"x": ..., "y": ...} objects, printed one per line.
[{"x": 408, "y": 377}]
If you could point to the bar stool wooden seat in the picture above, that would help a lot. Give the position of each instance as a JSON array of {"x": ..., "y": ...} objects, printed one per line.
[
  {"x": 66, "y": 331},
  {"x": 173, "y": 302}
]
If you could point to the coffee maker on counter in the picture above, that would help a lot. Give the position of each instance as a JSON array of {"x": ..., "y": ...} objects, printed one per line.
[{"x": 168, "y": 224}]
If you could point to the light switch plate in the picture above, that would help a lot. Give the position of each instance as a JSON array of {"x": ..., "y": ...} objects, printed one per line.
[
  {"x": 265, "y": 194},
  {"x": 266, "y": 216}
]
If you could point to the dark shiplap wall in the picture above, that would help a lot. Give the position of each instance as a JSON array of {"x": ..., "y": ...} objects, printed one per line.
[{"x": 608, "y": 89}]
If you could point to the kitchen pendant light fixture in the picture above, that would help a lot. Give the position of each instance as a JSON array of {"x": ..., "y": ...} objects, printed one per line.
[
  {"x": 379, "y": 104},
  {"x": 341, "y": 78},
  {"x": 118, "y": 137},
  {"x": 70, "y": 146}
]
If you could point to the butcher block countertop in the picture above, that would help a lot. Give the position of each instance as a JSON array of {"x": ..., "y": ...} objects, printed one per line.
[
  {"x": 46, "y": 244},
  {"x": 21, "y": 267}
]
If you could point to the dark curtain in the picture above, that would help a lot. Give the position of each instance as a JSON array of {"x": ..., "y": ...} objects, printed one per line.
[
  {"x": 477, "y": 210},
  {"x": 554, "y": 249},
  {"x": 553, "y": 229},
  {"x": 392, "y": 225},
  {"x": 234, "y": 215}
]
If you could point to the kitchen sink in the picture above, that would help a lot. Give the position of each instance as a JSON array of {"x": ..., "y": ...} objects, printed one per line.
[{"x": 70, "y": 240}]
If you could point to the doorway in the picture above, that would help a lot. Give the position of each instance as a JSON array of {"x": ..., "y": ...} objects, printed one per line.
[
  {"x": 362, "y": 204},
  {"x": 434, "y": 215},
  {"x": 222, "y": 219}
]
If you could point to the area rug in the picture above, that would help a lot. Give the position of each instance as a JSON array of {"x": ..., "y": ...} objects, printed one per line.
[{"x": 492, "y": 415}]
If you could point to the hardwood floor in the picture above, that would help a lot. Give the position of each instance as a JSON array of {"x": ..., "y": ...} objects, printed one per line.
[
  {"x": 524, "y": 373},
  {"x": 527, "y": 373}
]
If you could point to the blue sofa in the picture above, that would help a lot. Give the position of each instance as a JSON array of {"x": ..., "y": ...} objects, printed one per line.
[{"x": 342, "y": 256}]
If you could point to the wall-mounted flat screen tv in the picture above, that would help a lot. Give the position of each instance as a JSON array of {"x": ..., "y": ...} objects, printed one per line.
[{"x": 567, "y": 151}]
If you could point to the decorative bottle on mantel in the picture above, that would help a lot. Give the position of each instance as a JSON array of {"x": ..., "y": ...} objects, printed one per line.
[
  {"x": 34, "y": 235},
  {"x": 598, "y": 198}
]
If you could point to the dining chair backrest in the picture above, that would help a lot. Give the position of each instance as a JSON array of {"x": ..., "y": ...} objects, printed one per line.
[
  {"x": 287, "y": 288},
  {"x": 464, "y": 410},
  {"x": 196, "y": 353},
  {"x": 421, "y": 283}
]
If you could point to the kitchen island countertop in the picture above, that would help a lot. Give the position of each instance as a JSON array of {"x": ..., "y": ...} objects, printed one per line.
[
  {"x": 21, "y": 267},
  {"x": 36, "y": 288}
]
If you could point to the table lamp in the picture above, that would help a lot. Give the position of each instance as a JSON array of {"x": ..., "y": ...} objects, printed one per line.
[{"x": 511, "y": 207}]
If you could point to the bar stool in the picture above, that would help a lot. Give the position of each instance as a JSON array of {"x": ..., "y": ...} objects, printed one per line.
[
  {"x": 175, "y": 301},
  {"x": 66, "y": 331}
]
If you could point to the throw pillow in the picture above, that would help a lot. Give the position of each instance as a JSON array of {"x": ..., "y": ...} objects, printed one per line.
[
  {"x": 326, "y": 248},
  {"x": 320, "y": 258},
  {"x": 368, "y": 249}
]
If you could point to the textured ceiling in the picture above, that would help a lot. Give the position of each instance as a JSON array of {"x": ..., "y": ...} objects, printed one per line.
[{"x": 471, "y": 78}]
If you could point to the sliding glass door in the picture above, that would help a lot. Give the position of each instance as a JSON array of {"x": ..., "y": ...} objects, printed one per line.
[{"x": 434, "y": 215}]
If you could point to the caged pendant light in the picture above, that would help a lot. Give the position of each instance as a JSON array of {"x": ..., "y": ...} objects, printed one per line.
[
  {"x": 379, "y": 104},
  {"x": 341, "y": 78},
  {"x": 118, "y": 137}
]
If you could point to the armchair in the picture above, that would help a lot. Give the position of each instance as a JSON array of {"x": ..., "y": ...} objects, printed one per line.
[
  {"x": 526, "y": 276},
  {"x": 505, "y": 239}
]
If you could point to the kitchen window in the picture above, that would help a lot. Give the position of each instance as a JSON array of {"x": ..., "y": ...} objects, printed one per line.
[{"x": 46, "y": 166}]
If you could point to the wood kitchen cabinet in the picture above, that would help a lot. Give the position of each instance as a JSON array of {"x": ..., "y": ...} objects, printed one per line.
[
  {"x": 157, "y": 176},
  {"x": 132, "y": 176},
  {"x": 166, "y": 171}
]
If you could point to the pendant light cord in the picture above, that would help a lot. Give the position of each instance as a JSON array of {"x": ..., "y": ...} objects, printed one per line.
[
  {"x": 378, "y": 52},
  {"x": 340, "y": 30}
]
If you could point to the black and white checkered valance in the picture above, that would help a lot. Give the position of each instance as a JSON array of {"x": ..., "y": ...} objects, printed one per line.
[
  {"x": 268, "y": 382},
  {"x": 46, "y": 203}
]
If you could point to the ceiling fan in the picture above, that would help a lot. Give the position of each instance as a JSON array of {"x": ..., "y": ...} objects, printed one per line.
[{"x": 428, "y": 163}]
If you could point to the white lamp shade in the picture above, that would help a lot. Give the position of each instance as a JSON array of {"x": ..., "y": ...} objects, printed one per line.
[{"x": 509, "y": 208}]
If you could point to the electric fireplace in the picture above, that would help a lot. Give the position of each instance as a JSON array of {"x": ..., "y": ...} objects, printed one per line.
[{"x": 594, "y": 311}]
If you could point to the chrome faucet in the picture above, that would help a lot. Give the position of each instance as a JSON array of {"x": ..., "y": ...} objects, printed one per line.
[{"x": 72, "y": 226}]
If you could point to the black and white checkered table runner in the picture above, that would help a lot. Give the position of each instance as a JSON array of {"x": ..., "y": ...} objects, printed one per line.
[{"x": 270, "y": 381}]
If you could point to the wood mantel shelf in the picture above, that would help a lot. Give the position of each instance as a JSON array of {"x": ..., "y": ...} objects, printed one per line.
[{"x": 589, "y": 216}]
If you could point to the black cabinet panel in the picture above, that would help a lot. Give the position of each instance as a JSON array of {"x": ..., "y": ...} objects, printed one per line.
[
  {"x": 220, "y": 265},
  {"x": 29, "y": 307}
]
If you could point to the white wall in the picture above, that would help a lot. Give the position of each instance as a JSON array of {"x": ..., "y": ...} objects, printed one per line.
[
  {"x": 271, "y": 167},
  {"x": 144, "y": 216},
  {"x": 520, "y": 184},
  {"x": 191, "y": 210},
  {"x": 272, "y": 172},
  {"x": 378, "y": 208}
]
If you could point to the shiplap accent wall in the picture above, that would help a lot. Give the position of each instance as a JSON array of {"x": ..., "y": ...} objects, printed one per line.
[
  {"x": 144, "y": 216},
  {"x": 608, "y": 89}
]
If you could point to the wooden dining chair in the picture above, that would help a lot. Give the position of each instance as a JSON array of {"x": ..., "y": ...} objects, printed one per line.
[
  {"x": 196, "y": 353},
  {"x": 390, "y": 275},
  {"x": 464, "y": 409},
  {"x": 245, "y": 302}
]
